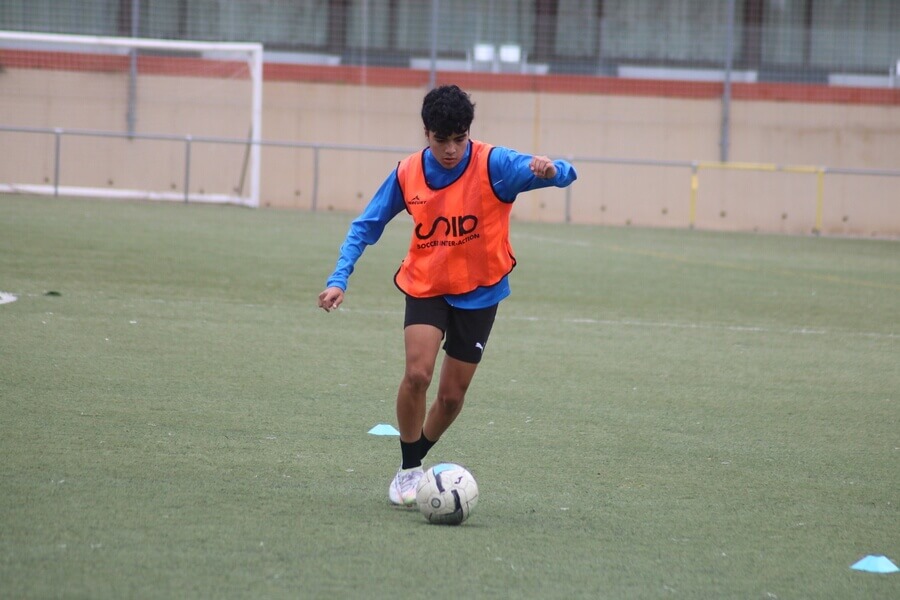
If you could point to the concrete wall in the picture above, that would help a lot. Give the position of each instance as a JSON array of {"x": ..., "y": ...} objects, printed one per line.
[{"x": 559, "y": 123}]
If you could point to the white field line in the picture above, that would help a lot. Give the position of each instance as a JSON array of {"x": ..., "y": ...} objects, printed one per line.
[
  {"x": 6, "y": 298},
  {"x": 800, "y": 330},
  {"x": 711, "y": 263},
  {"x": 660, "y": 325}
]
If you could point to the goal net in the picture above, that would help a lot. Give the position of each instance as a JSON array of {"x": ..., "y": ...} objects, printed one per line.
[{"x": 130, "y": 117}]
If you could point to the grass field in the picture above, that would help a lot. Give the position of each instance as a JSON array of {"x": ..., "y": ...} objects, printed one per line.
[{"x": 660, "y": 414}]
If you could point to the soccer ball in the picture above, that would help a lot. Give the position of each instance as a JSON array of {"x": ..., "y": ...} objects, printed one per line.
[{"x": 447, "y": 494}]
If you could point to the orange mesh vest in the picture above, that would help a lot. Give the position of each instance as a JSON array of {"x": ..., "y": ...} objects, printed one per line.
[{"x": 460, "y": 238}]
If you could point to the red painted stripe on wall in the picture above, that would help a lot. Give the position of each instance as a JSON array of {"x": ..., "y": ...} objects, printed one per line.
[{"x": 400, "y": 77}]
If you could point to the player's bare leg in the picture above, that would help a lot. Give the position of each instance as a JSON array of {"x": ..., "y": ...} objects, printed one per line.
[
  {"x": 422, "y": 344},
  {"x": 456, "y": 376}
]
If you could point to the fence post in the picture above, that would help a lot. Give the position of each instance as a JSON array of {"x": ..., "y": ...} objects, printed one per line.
[
  {"x": 187, "y": 167},
  {"x": 820, "y": 200},
  {"x": 57, "y": 133},
  {"x": 725, "y": 133},
  {"x": 315, "y": 190},
  {"x": 568, "y": 205},
  {"x": 695, "y": 183}
]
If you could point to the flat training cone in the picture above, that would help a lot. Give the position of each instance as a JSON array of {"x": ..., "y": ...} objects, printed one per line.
[
  {"x": 875, "y": 564},
  {"x": 384, "y": 429}
]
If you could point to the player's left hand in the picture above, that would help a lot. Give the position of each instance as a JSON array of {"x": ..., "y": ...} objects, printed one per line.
[{"x": 543, "y": 167}]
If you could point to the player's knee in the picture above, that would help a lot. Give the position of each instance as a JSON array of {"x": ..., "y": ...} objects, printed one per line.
[
  {"x": 451, "y": 402},
  {"x": 417, "y": 378}
]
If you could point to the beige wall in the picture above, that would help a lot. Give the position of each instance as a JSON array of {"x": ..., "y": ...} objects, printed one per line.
[{"x": 580, "y": 125}]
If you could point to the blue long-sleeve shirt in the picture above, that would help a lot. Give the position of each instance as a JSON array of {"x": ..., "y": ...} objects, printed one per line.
[{"x": 510, "y": 175}]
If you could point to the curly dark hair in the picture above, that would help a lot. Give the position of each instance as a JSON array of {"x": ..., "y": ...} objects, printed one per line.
[{"x": 447, "y": 110}]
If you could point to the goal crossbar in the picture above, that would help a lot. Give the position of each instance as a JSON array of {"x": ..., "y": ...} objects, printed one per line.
[{"x": 125, "y": 42}]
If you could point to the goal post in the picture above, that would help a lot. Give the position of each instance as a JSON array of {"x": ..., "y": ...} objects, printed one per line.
[{"x": 139, "y": 93}]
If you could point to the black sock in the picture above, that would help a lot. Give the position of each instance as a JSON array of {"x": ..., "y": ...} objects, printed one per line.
[
  {"x": 410, "y": 455},
  {"x": 423, "y": 446}
]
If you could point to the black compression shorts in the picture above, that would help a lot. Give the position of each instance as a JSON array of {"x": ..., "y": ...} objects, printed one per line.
[{"x": 466, "y": 331}]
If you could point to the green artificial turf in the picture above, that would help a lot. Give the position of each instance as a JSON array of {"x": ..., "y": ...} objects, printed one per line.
[{"x": 660, "y": 414}]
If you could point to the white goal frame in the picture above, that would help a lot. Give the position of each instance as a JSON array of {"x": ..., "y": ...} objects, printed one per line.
[{"x": 212, "y": 50}]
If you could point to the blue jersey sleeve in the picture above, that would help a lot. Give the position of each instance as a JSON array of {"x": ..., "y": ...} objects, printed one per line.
[
  {"x": 511, "y": 174},
  {"x": 367, "y": 228}
]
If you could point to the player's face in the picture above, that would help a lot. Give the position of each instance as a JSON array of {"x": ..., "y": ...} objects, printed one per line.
[{"x": 449, "y": 150}]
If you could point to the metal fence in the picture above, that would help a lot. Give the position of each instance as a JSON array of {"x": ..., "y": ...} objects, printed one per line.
[
  {"x": 692, "y": 169},
  {"x": 775, "y": 40}
]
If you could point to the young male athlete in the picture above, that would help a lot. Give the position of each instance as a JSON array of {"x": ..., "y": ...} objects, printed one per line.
[{"x": 459, "y": 192}]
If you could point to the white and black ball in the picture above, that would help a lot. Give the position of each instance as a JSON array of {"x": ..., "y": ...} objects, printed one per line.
[{"x": 447, "y": 494}]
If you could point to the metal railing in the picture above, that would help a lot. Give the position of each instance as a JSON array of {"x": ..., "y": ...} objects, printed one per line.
[
  {"x": 694, "y": 167},
  {"x": 189, "y": 140},
  {"x": 697, "y": 166}
]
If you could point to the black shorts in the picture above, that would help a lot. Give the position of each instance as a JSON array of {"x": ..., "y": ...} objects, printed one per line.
[{"x": 466, "y": 331}]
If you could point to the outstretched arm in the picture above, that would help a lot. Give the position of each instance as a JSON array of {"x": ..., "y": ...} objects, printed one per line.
[
  {"x": 513, "y": 172},
  {"x": 364, "y": 231}
]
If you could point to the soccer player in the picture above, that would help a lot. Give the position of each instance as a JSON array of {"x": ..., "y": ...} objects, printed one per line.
[{"x": 460, "y": 193}]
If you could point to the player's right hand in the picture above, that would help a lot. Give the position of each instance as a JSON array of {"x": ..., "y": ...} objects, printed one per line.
[{"x": 331, "y": 298}]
